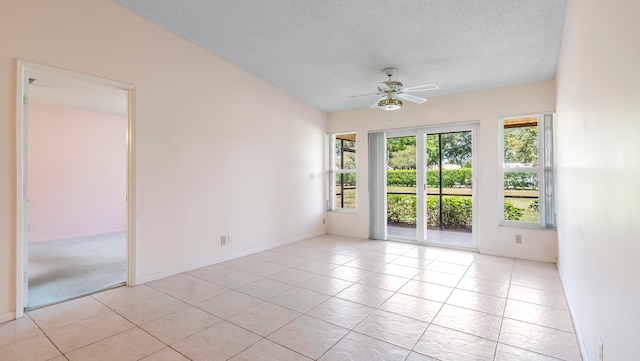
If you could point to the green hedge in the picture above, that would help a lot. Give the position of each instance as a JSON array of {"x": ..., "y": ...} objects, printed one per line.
[
  {"x": 401, "y": 208},
  {"x": 511, "y": 212},
  {"x": 349, "y": 179},
  {"x": 401, "y": 178},
  {"x": 457, "y": 211},
  {"x": 450, "y": 178},
  {"x": 458, "y": 178}
]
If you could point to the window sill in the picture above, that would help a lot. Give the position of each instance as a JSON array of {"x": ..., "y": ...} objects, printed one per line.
[
  {"x": 344, "y": 210},
  {"x": 523, "y": 225}
]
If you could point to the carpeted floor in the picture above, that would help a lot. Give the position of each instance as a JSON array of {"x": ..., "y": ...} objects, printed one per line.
[{"x": 66, "y": 269}]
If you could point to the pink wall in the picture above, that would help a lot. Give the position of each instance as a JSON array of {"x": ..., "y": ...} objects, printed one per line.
[
  {"x": 77, "y": 173},
  {"x": 196, "y": 164}
]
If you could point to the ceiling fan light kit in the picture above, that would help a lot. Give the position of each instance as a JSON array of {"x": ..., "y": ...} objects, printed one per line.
[{"x": 390, "y": 104}]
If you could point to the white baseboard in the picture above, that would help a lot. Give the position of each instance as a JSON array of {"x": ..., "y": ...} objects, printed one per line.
[
  {"x": 74, "y": 236},
  {"x": 576, "y": 326},
  {"x": 241, "y": 253},
  {"x": 583, "y": 351},
  {"x": 491, "y": 252},
  {"x": 8, "y": 316},
  {"x": 526, "y": 256},
  {"x": 352, "y": 235}
]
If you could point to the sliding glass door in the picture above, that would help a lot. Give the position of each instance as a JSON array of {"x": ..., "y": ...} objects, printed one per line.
[
  {"x": 449, "y": 196},
  {"x": 401, "y": 187},
  {"x": 430, "y": 185}
]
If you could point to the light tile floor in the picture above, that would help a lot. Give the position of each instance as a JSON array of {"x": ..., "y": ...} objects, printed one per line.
[
  {"x": 326, "y": 298},
  {"x": 446, "y": 238}
]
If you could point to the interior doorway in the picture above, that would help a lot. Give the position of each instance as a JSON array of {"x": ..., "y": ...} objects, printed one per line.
[
  {"x": 430, "y": 185},
  {"x": 74, "y": 152}
]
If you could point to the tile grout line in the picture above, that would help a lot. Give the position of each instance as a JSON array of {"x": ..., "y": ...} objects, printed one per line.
[
  {"x": 504, "y": 310},
  {"x": 440, "y": 309},
  {"x": 46, "y": 336},
  {"x": 365, "y": 317}
]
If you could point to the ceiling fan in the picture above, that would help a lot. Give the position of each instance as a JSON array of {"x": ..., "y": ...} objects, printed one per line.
[{"x": 392, "y": 92}]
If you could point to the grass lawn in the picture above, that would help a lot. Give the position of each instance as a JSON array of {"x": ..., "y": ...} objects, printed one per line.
[
  {"x": 349, "y": 199},
  {"x": 517, "y": 192},
  {"x": 527, "y": 214}
]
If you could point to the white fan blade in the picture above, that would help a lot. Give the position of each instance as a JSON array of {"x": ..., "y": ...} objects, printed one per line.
[
  {"x": 362, "y": 95},
  {"x": 419, "y": 88},
  {"x": 375, "y": 105},
  {"x": 384, "y": 87},
  {"x": 412, "y": 98}
]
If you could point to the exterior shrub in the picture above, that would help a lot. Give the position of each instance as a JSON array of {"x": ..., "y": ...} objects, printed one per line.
[
  {"x": 453, "y": 177},
  {"x": 458, "y": 178},
  {"x": 401, "y": 177},
  {"x": 456, "y": 213},
  {"x": 433, "y": 178},
  {"x": 349, "y": 179},
  {"x": 401, "y": 208},
  {"x": 511, "y": 212},
  {"x": 450, "y": 178}
]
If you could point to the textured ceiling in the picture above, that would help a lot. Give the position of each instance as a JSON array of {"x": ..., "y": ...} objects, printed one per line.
[{"x": 325, "y": 51}]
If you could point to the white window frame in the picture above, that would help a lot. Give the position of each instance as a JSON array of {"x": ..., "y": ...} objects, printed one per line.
[
  {"x": 539, "y": 169},
  {"x": 334, "y": 171}
]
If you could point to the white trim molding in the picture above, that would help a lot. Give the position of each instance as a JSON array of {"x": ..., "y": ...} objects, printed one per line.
[{"x": 24, "y": 70}]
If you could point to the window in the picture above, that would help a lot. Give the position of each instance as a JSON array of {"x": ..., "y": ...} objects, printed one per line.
[
  {"x": 526, "y": 163},
  {"x": 343, "y": 175}
]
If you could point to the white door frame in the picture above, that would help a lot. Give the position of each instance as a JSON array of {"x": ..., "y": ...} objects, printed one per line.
[
  {"x": 411, "y": 132},
  {"x": 421, "y": 180},
  {"x": 452, "y": 128},
  {"x": 22, "y": 83}
]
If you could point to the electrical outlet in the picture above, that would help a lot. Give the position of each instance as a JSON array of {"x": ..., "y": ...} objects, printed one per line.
[
  {"x": 224, "y": 240},
  {"x": 228, "y": 239},
  {"x": 600, "y": 350},
  {"x": 518, "y": 239},
  {"x": 324, "y": 221}
]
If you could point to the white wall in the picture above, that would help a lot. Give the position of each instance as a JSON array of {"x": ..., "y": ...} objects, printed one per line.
[
  {"x": 483, "y": 106},
  {"x": 219, "y": 151},
  {"x": 599, "y": 174}
]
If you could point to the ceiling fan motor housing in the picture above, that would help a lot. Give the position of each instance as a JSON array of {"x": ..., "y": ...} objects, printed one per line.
[
  {"x": 393, "y": 85},
  {"x": 390, "y": 104}
]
